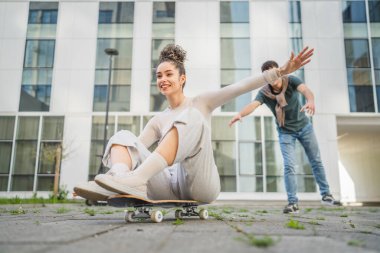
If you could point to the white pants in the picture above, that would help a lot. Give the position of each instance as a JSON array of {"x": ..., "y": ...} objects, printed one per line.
[{"x": 193, "y": 175}]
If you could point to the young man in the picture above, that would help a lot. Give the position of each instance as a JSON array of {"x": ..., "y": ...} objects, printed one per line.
[{"x": 281, "y": 97}]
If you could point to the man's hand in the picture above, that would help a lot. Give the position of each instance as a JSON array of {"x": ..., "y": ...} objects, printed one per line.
[
  {"x": 294, "y": 63},
  {"x": 237, "y": 117},
  {"x": 309, "y": 108}
]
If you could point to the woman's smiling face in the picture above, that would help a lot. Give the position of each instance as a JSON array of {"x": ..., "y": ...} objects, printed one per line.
[{"x": 168, "y": 79}]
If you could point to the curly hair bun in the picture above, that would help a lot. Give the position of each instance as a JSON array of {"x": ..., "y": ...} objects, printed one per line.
[{"x": 173, "y": 53}]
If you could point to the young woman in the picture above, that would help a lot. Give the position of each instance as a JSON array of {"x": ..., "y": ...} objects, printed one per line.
[{"x": 182, "y": 166}]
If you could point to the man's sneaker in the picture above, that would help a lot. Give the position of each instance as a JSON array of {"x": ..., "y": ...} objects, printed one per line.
[
  {"x": 92, "y": 191},
  {"x": 328, "y": 199},
  {"x": 291, "y": 208},
  {"x": 128, "y": 184}
]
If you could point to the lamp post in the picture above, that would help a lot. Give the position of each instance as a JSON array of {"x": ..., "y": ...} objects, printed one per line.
[{"x": 110, "y": 52}]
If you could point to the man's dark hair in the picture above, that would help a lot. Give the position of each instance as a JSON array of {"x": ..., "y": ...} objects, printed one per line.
[{"x": 268, "y": 65}]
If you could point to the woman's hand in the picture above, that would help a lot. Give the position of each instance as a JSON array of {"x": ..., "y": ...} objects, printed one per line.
[
  {"x": 237, "y": 117},
  {"x": 294, "y": 63}
]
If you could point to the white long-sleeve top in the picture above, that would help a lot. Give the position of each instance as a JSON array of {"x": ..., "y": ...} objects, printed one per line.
[{"x": 206, "y": 103}]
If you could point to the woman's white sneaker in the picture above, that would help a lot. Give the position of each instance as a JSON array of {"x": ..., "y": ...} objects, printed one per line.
[
  {"x": 127, "y": 184},
  {"x": 92, "y": 191}
]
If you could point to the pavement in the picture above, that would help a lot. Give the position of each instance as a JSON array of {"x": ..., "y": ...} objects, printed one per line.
[{"x": 234, "y": 226}]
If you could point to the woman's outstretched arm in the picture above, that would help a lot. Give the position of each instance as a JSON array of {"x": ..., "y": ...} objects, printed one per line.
[{"x": 222, "y": 96}]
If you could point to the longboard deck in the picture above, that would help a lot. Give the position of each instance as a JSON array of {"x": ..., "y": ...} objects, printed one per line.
[{"x": 135, "y": 201}]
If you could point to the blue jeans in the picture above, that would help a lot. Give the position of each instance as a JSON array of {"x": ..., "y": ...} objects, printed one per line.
[{"x": 307, "y": 139}]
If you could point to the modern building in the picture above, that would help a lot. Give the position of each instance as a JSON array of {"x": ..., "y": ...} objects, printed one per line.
[{"x": 54, "y": 77}]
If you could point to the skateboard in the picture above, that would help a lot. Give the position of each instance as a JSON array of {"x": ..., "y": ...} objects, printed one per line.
[{"x": 143, "y": 208}]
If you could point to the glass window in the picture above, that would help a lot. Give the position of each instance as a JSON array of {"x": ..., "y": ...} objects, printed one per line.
[
  {"x": 34, "y": 76},
  {"x": 35, "y": 98},
  {"x": 224, "y": 152},
  {"x": 117, "y": 76},
  {"x": 376, "y": 52},
  {"x": 294, "y": 12},
  {"x": 27, "y": 128},
  {"x": 115, "y": 30},
  {"x": 7, "y": 124},
  {"x": 295, "y": 30},
  {"x": 45, "y": 183},
  {"x": 97, "y": 135},
  {"x": 250, "y": 159},
  {"x": 235, "y": 53},
  {"x": 357, "y": 53},
  {"x": 22, "y": 182},
  {"x": 250, "y": 128},
  {"x": 163, "y": 30},
  {"x": 355, "y": 30},
  {"x": 251, "y": 184},
  {"x": 361, "y": 98},
  {"x": 234, "y": 30},
  {"x": 39, "y": 53},
  {"x": 234, "y": 12},
  {"x": 5, "y": 157},
  {"x": 121, "y": 61},
  {"x": 50, "y": 152},
  {"x": 163, "y": 12},
  {"x": 116, "y": 12},
  {"x": 3, "y": 183},
  {"x": 25, "y": 157},
  {"x": 129, "y": 123},
  {"x": 52, "y": 128},
  {"x": 43, "y": 13},
  {"x": 119, "y": 98},
  {"x": 374, "y": 10},
  {"x": 98, "y": 124},
  {"x": 354, "y": 12}
]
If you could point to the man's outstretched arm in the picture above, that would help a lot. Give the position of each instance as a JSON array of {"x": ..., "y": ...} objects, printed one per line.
[
  {"x": 248, "y": 109},
  {"x": 309, "y": 107}
]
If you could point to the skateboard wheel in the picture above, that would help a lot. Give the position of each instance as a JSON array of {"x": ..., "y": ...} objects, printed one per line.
[
  {"x": 130, "y": 216},
  {"x": 178, "y": 214},
  {"x": 157, "y": 216},
  {"x": 203, "y": 214}
]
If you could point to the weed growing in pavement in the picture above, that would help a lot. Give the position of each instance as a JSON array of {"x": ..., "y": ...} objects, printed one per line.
[
  {"x": 320, "y": 218},
  {"x": 377, "y": 226},
  {"x": 106, "y": 212},
  {"x": 261, "y": 242},
  {"x": 63, "y": 210},
  {"x": 352, "y": 225},
  {"x": 227, "y": 210},
  {"x": 261, "y": 211},
  {"x": 308, "y": 210},
  {"x": 89, "y": 211},
  {"x": 18, "y": 211},
  {"x": 294, "y": 224},
  {"x": 216, "y": 215},
  {"x": 164, "y": 212},
  {"x": 365, "y": 232},
  {"x": 356, "y": 243},
  {"x": 313, "y": 222},
  {"x": 243, "y": 210},
  {"x": 178, "y": 222},
  {"x": 344, "y": 215}
]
